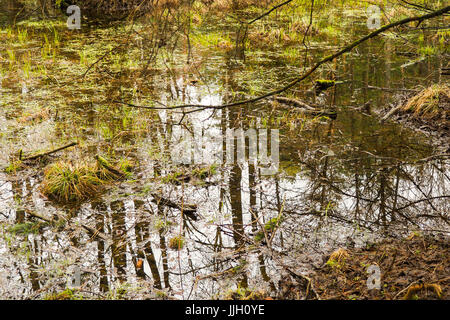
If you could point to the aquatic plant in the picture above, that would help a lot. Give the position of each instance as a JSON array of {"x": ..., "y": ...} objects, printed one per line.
[
  {"x": 25, "y": 228},
  {"x": 67, "y": 294},
  {"x": 106, "y": 171},
  {"x": 176, "y": 243},
  {"x": 205, "y": 172},
  {"x": 269, "y": 228},
  {"x": 22, "y": 35},
  {"x": 13, "y": 166},
  {"x": 243, "y": 293}
]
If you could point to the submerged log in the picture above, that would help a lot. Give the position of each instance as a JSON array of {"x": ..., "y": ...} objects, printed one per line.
[
  {"x": 391, "y": 112},
  {"x": 306, "y": 108}
]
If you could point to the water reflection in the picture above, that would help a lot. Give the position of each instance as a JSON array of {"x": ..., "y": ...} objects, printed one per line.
[{"x": 340, "y": 182}]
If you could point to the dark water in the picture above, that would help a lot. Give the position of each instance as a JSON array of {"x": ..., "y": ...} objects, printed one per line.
[{"x": 343, "y": 182}]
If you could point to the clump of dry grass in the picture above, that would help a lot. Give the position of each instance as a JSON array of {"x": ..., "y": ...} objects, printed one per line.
[
  {"x": 338, "y": 258},
  {"x": 431, "y": 103},
  {"x": 67, "y": 182}
]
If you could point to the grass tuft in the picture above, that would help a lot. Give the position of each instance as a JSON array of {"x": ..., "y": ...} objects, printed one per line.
[{"x": 68, "y": 182}]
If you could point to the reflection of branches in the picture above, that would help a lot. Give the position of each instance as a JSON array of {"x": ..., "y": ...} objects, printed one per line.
[
  {"x": 387, "y": 198},
  {"x": 423, "y": 200}
]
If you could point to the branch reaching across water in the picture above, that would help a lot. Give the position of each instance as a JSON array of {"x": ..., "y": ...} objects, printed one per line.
[{"x": 294, "y": 82}]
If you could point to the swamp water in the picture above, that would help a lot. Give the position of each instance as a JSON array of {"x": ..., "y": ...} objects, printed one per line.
[{"x": 349, "y": 181}]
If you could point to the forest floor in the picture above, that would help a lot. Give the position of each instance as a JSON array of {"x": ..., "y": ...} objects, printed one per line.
[{"x": 413, "y": 268}]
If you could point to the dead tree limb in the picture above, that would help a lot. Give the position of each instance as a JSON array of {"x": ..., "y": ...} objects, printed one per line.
[
  {"x": 36, "y": 156},
  {"x": 269, "y": 11},
  {"x": 306, "y": 108},
  {"x": 392, "y": 112},
  {"x": 391, "y": 89},
  {"x": 95, "y": 233}
]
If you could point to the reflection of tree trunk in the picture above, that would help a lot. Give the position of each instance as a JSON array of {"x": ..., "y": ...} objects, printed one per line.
[
  {"x": 387, "y": 72},
  {"x": 397, "y": 181},
  {"x": 251, "y": 185},
  {"x": 383, "y": 184},
  {"x": 262, "y": 269},
  {"x": 367, "y": 71},
  {"x": 218, "y": 245},
  {"x": 118, "y": 235},
  {"x": 235, "y": 181},
  {"x": 236, "y": 204},
  {"x": 325, "y": 169},
  {"x": 162, "y": 244},
  {"x": 236, "y": 207},
  {"x": 34, "y": 277},
  {"x": 358, "y": 193},
  {"x": 17, "y": 192},
  {"x": 100, "y": 209},
  {"x": 143, "y": 236}
]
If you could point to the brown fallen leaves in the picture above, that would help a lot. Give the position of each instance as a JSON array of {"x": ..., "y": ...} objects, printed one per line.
[{"x": 417, "y": 267}]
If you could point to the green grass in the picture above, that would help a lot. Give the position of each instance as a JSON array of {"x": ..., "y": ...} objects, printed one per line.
[
  {"x": 25, "y": 228},
  {"x": 67, "y": 294}
]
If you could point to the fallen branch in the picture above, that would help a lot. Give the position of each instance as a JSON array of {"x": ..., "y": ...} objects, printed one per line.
[
  {"x": 305, "y": 108},
  {"x": 269, "y": 11},
  {"x": 310, "y": 71},
  {"x": 293, "y": 102},
  {"x": 392, "y": 112},
  {"x": 49, "y": 152},
  {"x": 188, "y": 209}
]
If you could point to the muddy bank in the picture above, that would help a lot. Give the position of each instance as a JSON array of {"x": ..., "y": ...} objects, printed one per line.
[
  {"x": 413, "y": 268},
  {"x": 424, "y": 109}
]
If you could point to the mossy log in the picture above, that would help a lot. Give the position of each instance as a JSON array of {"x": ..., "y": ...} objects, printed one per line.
[{"x": 105, "y": 164}]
